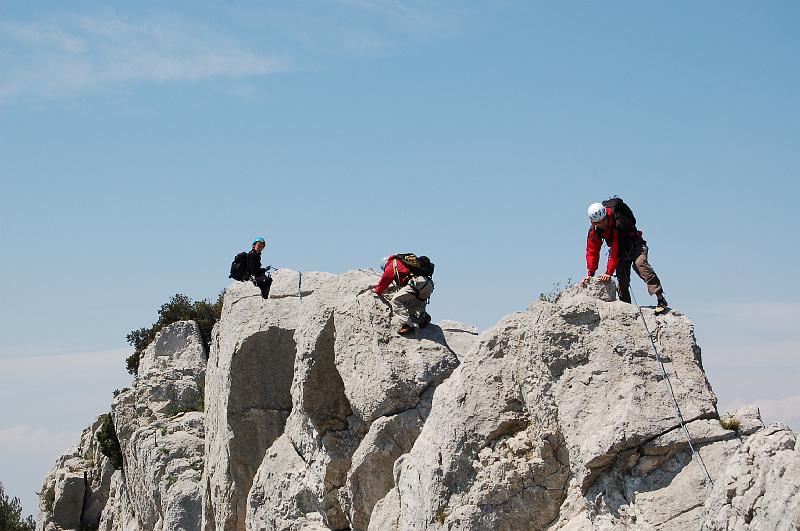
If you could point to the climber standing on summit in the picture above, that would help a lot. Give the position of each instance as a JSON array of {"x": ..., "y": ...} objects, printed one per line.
[
  {"x": 614, "y": 222},
  {"x": 412, "y": 275}
]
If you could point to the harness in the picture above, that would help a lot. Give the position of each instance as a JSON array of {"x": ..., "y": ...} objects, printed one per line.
[
  {"x": 413, "y": 287},
  {"x": 396, "y": 272},
  {"x": 418, "y": 290}
]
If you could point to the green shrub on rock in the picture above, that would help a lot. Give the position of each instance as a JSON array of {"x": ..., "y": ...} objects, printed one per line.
[
  {"x": 11, "y": 514},
  {"x": 109, "y": 443},
  {"x": 178, "y": 308}
]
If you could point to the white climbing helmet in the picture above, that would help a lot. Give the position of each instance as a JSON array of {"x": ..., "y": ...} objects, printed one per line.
[{"x": 597, "y": 212}]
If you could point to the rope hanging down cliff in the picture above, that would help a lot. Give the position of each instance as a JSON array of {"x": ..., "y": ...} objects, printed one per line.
[{"x": 678, "y": 413}]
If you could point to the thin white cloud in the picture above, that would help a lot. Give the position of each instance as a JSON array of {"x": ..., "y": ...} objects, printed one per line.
[
  {"x": 32, "y": 366},
  {"x": 34, "y": 35},
  {"x": 760, "y": 334},
  {"x": 81, "y": 52},
  {"x": 63, "y": 392},
  {"x": 764, "y": 354},
  {"x": 420, "y": 18},
  {"x": 766, "y": 315},
  {"x": 47, "y": 402},
  {"x": 23, "y": 439},
  {"x": 27, "y": 453},
  {"x": 395, "y": 9}
]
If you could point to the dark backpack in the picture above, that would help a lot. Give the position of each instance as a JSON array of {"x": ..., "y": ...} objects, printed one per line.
[
  {"x": 239, "y": 268},
  {"x": 624, "y": 220},
  {"x": 418, "y": 265}
]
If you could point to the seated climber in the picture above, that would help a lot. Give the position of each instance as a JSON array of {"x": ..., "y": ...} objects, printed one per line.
[
  {"x": 259, "y": 275},
  {"x": 614, "y": 222},
  {"x": 412, "y": 275}
]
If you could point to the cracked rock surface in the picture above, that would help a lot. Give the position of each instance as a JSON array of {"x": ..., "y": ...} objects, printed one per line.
[
  {"x": 319, "y": 416},
  {"x": 78, "y": 485},
  {"x": 759, "y": 487},
  {"x": 160, "y": 434}
]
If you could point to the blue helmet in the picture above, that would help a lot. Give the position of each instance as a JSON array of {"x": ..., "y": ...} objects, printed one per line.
[{"x": 259, "y": 239}]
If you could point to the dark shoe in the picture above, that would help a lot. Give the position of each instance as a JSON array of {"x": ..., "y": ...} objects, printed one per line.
[
  {"x": 425, "y": 320},
  {"x": 405, "y": 330},
  {"x": 624, "y": 294},
  {"x": 661, "y": 307}
]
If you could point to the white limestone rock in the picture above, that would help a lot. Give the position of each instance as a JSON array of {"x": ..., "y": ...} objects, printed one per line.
[
  {"x": 370, "y": 476},
  {"x": 76, "y": 490},
  {"x": 161, "y": 435},
  {"x": 551, "y": 401},
  {"x": 351, "y": 369},
  {"x": 250, "y": 371},
  {"x": 747, "y": 420},
  {"x": 319, "y": 416},
  {"x": 760, "y": 486}
]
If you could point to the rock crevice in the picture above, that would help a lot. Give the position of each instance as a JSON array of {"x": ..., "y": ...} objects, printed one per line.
[{"x": 319, "y": 416}]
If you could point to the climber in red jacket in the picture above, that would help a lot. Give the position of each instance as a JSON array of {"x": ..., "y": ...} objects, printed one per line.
[
  {"x": 412, "y": 296},
  {"x": 614, "y": 222}
]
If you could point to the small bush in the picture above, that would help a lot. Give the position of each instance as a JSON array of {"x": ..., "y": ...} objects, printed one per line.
[
  {"x": 48, "y": 499},
  {"x": 178, "y": 308},
  {"x": 109, "y": 443},
  {"x": 441, "y": 515},
  {"x": 556, "y": 291},
  {"x": 88, "y": 458},
  {"x": 164, "y": 450},
  {"x": 730, "y": 423},
  {"x": 172, "y": 410}
]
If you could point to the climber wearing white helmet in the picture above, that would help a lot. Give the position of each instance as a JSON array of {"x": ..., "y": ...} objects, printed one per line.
[{"x": 614, "y": 222}]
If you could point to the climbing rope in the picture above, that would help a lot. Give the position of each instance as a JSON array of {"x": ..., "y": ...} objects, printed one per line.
[{"x": 678, "y": 413}]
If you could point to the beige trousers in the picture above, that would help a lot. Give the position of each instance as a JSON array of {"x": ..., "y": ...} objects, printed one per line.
[
  {"x": 405, "y": 304},
  {"x": 636, "y": 257}
]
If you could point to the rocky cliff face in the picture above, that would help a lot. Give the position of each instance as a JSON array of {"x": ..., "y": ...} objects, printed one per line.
[{"x": 319, "y": 416}]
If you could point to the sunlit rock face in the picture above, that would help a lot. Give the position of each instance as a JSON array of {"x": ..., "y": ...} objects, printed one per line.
[{"x": 318, "y": 415}]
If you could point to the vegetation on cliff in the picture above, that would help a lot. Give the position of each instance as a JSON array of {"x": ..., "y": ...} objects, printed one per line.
[{"x": 178, "y": 308}]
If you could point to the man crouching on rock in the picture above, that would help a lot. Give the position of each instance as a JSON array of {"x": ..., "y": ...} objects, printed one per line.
[
  {"x": 413, "y": 278},
  {"x": 614, "y": 222}
]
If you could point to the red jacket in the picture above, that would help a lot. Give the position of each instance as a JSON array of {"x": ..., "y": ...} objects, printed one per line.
[
  {"x": 394, "y": 270},
  {"x": 594, "y": 242}
]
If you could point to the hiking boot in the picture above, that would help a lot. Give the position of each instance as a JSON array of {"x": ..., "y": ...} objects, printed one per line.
[
  {"x": 624, "y": 294},
  {"x": 662, "y": 306},
  {"x": 405, "y": 330},
  {"x": 425, "y": 320}
]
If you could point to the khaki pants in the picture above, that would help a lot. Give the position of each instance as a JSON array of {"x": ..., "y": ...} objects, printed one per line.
[
  {"x": 405, "y": 304},
  {"x": 636, "y": 257}
]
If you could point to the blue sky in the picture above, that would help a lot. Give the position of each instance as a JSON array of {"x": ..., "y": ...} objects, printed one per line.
[{"x": 143, "y": 146}]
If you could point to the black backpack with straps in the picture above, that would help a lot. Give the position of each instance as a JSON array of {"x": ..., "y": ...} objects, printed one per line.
[
  {"x": 624, "y": 220},
  {"x": 420, "y": 266},
  {"x": 239, "y": 268}
]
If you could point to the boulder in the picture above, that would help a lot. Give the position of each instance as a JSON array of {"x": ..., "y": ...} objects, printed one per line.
[
  {"x": 76, "y": 490},
  {"x": 543, "y": 424},
  {"x": 759, "y": 487},
  {"x": 351, "y": 370},
  {"x": 312, "y": 413},
  {"x": 161, "y": 435},
  {"x": 250, "y": 372}
]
